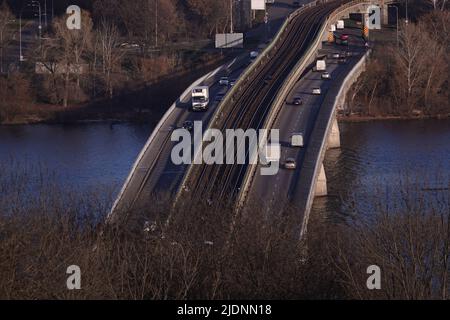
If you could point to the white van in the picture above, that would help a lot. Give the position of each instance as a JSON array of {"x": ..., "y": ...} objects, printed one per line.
[{"x": 297, "y": 140}]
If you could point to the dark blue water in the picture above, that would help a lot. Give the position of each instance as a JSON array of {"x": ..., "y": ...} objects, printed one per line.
[
  {"x": 78, "y": 157},
  {"x": 377, "y": 161},
  {"x": 388, "y": 163}
]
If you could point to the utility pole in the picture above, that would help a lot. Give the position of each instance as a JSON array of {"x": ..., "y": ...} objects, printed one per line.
[{"x": 231, "y": 17}]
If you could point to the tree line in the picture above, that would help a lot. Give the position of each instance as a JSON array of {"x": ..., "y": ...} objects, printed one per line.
[
  {"x": 204, "y": 252},
  {"x": 408, "y": 76},
  {"x": 121, "y": 45}
]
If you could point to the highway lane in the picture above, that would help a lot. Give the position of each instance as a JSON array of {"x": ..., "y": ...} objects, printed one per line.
[
  {"x": 274, "y": 192},
  {"x": 155, "y": 173},
  {"x": 249, "y": 108}
]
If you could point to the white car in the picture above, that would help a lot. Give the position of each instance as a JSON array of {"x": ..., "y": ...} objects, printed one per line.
[
  {"x": 336, "y": 55},
  {"x": 326, "y": 75},
  {"x": 224, "y": 81},
  {"x": 317, "y": 91}
]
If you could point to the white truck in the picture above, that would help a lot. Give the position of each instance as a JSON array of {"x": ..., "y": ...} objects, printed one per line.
[
  {"x": 321, "y": 65},
  {"x": 340, "y": 25},
  {"x": 297, "y": 140},
  {"x": 200, "y": 98}
]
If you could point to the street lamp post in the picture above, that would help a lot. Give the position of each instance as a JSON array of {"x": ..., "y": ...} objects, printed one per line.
[
  {"x": 407, "y": 20},
  {"x": 231, "y": 17},
  {"x": 37, "y": 4},
  {"x": 45, "y": 13},
  {"x": 156, "y": 23},
  {"x": 20, "y": 38}
]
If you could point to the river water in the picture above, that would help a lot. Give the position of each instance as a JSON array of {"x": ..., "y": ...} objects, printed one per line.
[
  {"x": 387, "y": 163},
  {"x": 83, "y": 157},
  {"x": 377, "y": 159}
]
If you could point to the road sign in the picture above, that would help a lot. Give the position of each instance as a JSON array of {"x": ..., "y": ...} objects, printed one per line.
[
  {"x": 258, "y": 4},
  {"x": 330, "y": 37}
]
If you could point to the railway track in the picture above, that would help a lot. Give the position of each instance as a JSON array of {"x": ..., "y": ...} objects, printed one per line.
[{"x": 250, "y": 108}]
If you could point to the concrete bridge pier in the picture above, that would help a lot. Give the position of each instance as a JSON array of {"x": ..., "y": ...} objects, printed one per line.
[
  {"x": 334, "y": 139},
  {"x": 321, "y": 185},
  {"x": 334, "y": 142}
]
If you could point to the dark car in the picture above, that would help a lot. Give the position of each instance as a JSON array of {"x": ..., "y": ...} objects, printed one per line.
[
  {"x": 297, "y": 102},
  {"x": 188, "y": 125}
]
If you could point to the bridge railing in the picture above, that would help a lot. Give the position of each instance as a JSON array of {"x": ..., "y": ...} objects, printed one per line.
[{"x": 315, "y": 154}]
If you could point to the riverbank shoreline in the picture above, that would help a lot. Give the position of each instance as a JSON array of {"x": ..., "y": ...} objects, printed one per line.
[{"x": 355, "y": 118}]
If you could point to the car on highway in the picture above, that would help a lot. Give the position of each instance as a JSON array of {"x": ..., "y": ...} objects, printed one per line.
[
  {"x": 342, "y": 60},
  {"x": 317, "y": 91},
  {"x": 188, "y": 125},
  {"x": 344, "y": 36},
  {"x": 297, "y": 140},
  {"x": 296, "y": 3},
  {"x": 336, "y": 55},
  {"x": 224, "y": 81},
  {"x": 232, "y": 83},
  {"x": 290, "y": 164},
  {"x": 254, "y": 55},
  {"x": 326, "y": 76},
  {"x": 297, "y": 101}
]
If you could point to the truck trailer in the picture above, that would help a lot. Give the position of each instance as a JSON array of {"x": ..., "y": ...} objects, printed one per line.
[{"x": 200, "y": 98}]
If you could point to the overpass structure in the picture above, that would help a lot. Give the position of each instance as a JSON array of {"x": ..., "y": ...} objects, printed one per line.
[{"x": 256, "y": 102}]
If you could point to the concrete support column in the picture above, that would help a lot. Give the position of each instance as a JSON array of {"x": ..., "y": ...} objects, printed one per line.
[
  {"x": 321, "y": 185},
  {"x": 334, "y": 139}
]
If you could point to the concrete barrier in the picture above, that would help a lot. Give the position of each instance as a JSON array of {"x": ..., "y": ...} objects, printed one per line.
[{"x": 318, "y": 154}]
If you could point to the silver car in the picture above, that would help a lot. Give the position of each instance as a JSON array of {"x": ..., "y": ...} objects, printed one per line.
[
  {"x": 326, "y": 76},
  {"x": 290, "y": 164}
]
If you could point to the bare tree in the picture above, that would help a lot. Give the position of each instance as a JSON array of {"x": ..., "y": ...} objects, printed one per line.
[
  {"x": 438, "y": 4},
  {"x": 6, "y": 17},
  {"x": 108, "y": 39},
  {"x": 68, "y": 53},
  {"x": 411, "y": 57}
]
